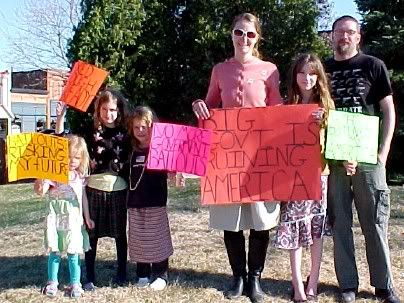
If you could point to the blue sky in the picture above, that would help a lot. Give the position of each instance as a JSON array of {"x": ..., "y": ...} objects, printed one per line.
[
  {"x": 346, "y": 7},
  {"x": 8, "y": 21},
  {"x": 8, "y": 10}
]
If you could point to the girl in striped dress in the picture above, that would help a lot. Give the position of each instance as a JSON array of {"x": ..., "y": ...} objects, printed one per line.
[{"x": 149, "y": 238}]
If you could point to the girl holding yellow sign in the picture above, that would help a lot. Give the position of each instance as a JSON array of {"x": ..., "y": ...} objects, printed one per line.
[{"x": 65, "y": 231}]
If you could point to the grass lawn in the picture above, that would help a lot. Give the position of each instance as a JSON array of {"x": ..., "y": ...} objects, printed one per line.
[{"x": 199, "y": 270}]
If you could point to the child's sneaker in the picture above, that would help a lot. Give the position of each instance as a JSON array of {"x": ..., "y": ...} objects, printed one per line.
[
  {"x": 75, "y": 291},
  {"x": 89, "y": 286},
  {"x": 142, "y": 282},
  {"x": 50, "y": 289},
  {"x": 158, "y": 284}
]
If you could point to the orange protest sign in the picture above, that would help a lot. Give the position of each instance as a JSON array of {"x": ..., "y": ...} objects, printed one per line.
[
  {"x": 262, "y": 154},
  {"x": 82, "y": 85}
]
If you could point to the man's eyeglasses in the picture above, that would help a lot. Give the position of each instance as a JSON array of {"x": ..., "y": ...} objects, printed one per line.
[
  {"x": 240, "y": 33},
  {"x": 340, "y": 32}
]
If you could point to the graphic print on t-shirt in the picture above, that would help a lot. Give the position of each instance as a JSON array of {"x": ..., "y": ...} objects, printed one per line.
[{"x": 348, "y": 89}]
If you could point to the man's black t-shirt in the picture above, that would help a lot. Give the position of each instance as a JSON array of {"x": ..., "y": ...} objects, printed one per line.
[{"x": 359, "y": 83}]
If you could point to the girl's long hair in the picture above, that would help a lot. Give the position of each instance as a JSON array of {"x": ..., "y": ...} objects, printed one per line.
[
  {"x": 142, "y": 113},
  {"x": 321, "y": 91},
  {"x": 77, "y": 145},
  {"x": 106, "y": 96}
]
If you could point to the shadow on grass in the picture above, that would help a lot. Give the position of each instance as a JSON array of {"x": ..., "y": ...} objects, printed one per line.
[
  {"x": 329, "y": 290},
  {"x": 272, "y": 287},
  {"x": 22, "y": 272},
  {"x": 27, "y": 271},
  {"x": 221, "y": 281}
]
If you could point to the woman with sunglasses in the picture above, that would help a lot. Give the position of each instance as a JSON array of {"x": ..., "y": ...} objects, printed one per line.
[{"x": 243, "y": 81}]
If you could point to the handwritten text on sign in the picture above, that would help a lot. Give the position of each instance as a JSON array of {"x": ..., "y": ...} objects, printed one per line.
[
  {"x": 352, "y": 136},
  {"x": 179, "y": 148},
  {"x": 262, "y": 154},
  {"x": 36, "y": 155},
  {"x": 83, "y": 84}
]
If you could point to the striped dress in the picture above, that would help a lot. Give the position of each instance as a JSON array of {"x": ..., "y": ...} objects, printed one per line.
[
  {"x": 149, "y": 235},
  {"x": 149, "y": 238}
]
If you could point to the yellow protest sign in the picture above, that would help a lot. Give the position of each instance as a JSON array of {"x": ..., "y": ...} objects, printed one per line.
[{"x": 36, "y": 155}]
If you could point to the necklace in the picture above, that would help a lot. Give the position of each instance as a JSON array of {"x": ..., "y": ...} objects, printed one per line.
[{"x": 130, "y": 173}]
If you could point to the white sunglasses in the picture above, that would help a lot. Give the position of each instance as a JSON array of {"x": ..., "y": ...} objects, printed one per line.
[{"x": 238, "y": 32}]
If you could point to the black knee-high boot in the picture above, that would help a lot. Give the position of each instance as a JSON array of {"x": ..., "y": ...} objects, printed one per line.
[
  {"x": 257, "y": 250},
  {"x": 235, "y": 246}
]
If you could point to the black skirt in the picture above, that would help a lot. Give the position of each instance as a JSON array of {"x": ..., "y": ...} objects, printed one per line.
[{"x": 108, "y": 211}]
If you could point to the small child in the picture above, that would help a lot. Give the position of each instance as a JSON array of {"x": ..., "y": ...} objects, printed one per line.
[
  {"x": 149, "y": 238},
  {"x": 65, "y": 231}
]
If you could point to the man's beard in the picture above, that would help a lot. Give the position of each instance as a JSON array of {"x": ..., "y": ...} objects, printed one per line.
[{"x": 345, "y": 49}]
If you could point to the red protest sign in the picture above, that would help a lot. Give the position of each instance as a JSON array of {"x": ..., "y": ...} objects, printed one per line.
[
  {"x": 262, "y": 154},
  {"x": 179, "y": 148},
  {"x": 82, "y": 85}
]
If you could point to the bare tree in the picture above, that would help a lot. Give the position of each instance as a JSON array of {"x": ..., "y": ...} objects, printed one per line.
[
  {"x": 325, "y": 7},
  {"x": 42, "y": 32}
]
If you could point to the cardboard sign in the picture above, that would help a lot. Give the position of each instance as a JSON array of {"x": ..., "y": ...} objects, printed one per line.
[
  {"x": 262, "y": 154},
  {"x": 352, "y": 136},
  {"x": 82, "y": 85},
  {"x": 36, "y": 155},
  {"x": 179, "y": 148}
]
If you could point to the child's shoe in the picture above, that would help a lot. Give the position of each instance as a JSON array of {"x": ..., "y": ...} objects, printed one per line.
[
  {"x": 89, "y": 286},
  {"x": 158, "y": 284},
  {"x": 74, "y": 291},
  {"x": 142, "y": 282},
  {"x": 50, "y": 289}
]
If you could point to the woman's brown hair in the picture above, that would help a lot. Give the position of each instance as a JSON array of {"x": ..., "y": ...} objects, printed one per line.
[{"x": 106, "y": 96}]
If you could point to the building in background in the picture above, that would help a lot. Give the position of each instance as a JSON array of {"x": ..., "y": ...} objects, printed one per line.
[
  {"x": 27, "y": 104},
  {"x": 6, "y": 115},
  {"x": 34, "y": 95}
]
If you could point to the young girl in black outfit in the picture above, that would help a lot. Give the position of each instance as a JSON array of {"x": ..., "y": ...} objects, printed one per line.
[
  {"x": 149, "y": 235},
  {"x": 109, "y": 147}
]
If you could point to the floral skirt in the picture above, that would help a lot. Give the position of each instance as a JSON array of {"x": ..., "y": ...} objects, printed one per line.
[{"x": 302, "y": 221}]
